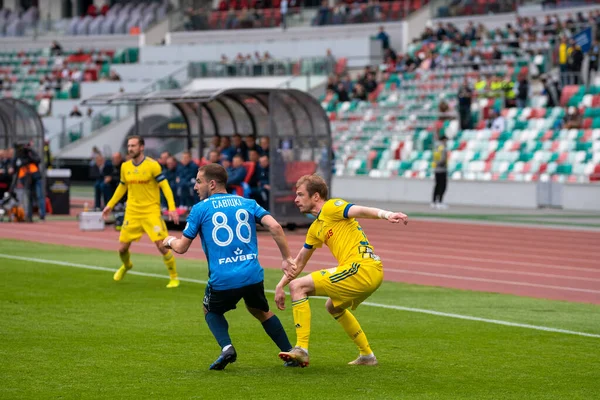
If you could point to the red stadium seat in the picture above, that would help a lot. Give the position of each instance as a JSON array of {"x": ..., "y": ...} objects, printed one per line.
[
  {"x": 250, "y": 167},
  {"x": 293, "y": 171}
]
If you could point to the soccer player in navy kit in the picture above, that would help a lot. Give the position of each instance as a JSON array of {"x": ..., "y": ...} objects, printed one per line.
[{"x": 226, "y": 224}]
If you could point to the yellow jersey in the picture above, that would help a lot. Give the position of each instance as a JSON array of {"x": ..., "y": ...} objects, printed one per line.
[
  {"x": 344, "y": 236},
  {"x": 141, "y": 181}
]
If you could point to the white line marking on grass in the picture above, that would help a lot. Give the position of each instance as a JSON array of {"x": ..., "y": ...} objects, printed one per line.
[
  {"x": 392, "y": 307},
  {"x": 470, "y": 278}
]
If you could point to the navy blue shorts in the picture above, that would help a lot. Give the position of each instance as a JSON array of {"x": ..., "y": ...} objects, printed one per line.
[{"x": 221, "y": 301}]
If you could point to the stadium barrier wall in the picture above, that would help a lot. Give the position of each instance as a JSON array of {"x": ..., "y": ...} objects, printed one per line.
[
  {"x": 583, "y": 197},
  {"x": 70, "y": 42},
  {"x": 343, "y": 40}
]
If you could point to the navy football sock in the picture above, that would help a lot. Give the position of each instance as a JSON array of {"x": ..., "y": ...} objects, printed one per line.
[
  {"x": 219, "y": 327},
  {"x": 275, "y": 330}
]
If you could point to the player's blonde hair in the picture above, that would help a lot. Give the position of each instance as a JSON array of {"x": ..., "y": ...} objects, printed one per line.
[{"x": 314, "y": 184}]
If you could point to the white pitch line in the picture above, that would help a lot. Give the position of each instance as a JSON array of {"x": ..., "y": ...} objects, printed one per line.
[
  {"x": 486, "y": 280},
  {"x": 378, "y": 305}
]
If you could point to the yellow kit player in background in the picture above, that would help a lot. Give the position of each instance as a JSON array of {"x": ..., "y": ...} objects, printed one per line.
[
  {"x": 358, "y": 274},
  {"x": 141, "y": 178}
]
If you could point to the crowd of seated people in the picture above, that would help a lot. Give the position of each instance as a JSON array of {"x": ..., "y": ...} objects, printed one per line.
[
  {"x": 474, "y": 47},
  {"x": 246, "y": 162},
  {"x": 242, "y": 14}
]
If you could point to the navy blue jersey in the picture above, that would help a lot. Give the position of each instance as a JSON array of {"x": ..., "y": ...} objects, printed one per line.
[{"x": 226, "y": 224}]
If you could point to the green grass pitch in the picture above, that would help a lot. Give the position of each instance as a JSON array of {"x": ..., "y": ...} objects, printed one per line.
[{"x": 74, "y": 333}]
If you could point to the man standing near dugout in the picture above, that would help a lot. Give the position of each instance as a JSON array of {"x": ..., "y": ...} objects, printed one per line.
[
  {"x": 358, "y": 274},
  {"x": 141, "y": 178}
]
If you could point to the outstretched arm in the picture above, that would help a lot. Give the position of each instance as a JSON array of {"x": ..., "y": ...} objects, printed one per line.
[
  {"x": 376, "y": 213},
  {"x": 300, "y": 261},
  {"x": 179, "y": 246},
  {"x": 287, "y": 265}
]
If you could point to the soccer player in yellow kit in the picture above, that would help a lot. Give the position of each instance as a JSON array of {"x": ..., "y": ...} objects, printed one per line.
[
  {"x": 358, "y": 274},
  {"x": 141, "y": 178}
]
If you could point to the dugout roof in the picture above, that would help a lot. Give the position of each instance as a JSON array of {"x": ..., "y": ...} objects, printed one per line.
[
  {"x": 239, "y": 110},
  {"x": 20, "y": 123},
  {"x": 295, "y": 122}
]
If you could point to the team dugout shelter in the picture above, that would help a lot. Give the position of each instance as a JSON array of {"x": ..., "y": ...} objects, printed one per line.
[
  {"x": 295, "y": 122},
  {"x": 21, "y": 125}
]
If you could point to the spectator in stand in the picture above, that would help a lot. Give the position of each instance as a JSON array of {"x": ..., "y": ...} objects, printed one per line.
[
  {"x": 496, "y": 55},
  {"x": 508, "y": 87},
  {"x": 117, "y": 163},
  {"x": 359, "y": 93},
  {"x": 56, "y": 49},
  {"x": 162, "y": 160},
  {"x": 231, "y": 21},
  {"x": 225, "y": 148},
  {"x": 496, "y": 121},
  {"x": 239, "y": 147},
  {"x": 283, "y": 8},
  {"x": 102, "y": 174},
  {"x": 342, "y": 93},
  {"x": 523, "y": 91},
  {"x": 250, "y": 142},
  {"x": 261, "y": 194},
  {"x": 445, "y": 113},
  {"x": 563, "y": 59},
  {"x": 573, "y": 118},
  {"x": 215, "y": 144},
  {"x": 186, "y": 180},
  {"x": 593, "y": 62},
  {"x": 113, "y": 76},
  {"x": 236, "y": 174},
  {"x": 75, "y": 112},
  {"x": 384, "y": 37},
  {"x": 331, "y": 61},
  {"x": 214, "y": 157},
  {"x": 465, "y": 95},
  {"x": 171, "y": 172},
  {"x": 575, "y": 64},
  {"x": 347, "y": 82},
  {"x": 323, "y": 15},
  {"x": 552, "y": 91},
  {"x": 253, "y": 157},
  {"x": 332, "y": 83},
  {"x": 265, "y": 143}
]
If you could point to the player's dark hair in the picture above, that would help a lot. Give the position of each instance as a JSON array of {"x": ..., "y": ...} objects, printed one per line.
[
  {"x": 138, "y": 137},
  {"x": 214, "y": 172},
  {"x": 314, "y": 184}
]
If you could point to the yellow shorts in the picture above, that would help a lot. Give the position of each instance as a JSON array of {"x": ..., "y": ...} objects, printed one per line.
[
  {"x": 350, "y": 284},
  {"x": 134, "y": 227}
]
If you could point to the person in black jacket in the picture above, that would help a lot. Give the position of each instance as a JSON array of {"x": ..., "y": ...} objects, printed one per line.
[
  {"x": 261, "y": 193},
  {"x": 594, "y": 61},
  {"x": 102, "y": 174},
  {"x": 575, "y": 63}
]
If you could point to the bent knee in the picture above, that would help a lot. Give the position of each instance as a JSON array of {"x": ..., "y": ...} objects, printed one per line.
[{"x": 296, "y": 286}]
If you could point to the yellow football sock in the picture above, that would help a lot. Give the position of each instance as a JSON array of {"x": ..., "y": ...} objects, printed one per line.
[
  {"x": 169, "y": 261},
  {"x": 125, "y": 258},
  {"x": 353, "y": 329},
  {"x": 301, "y": 311}
]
